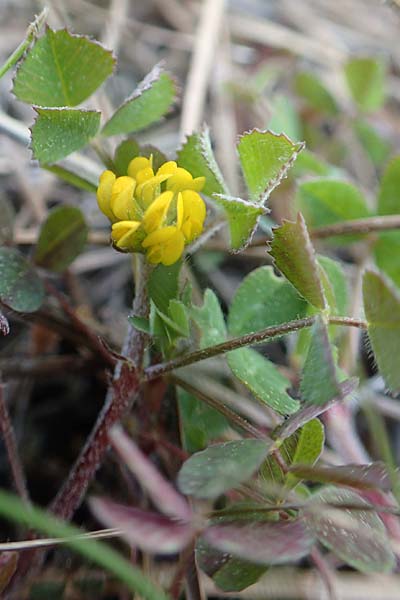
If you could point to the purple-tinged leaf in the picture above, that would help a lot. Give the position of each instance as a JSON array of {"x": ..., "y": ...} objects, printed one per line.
[
  {"x": 358, "y": 537},
  {"x": 8, "y": 565},
  {"x": 161, "y": 492},
  {"x": 262, "y": 542},
  {"x": 221, "y": 467},
  {"x": 228, "y": 572},
  {"x": 312, "y": 411},
  {"x": 148, "y": 531},
  {"x": 362, "y": 477},
  {"x": 382, "y": 310},
  {"x": 294, "y": 256}
]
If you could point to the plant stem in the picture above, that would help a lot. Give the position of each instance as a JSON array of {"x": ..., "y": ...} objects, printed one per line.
[
  {"x": 367, "y": 225},
  {"x": 219, "y": 406},
  {"x": 351, "y": 227},
  {"x": 31, "y": 34},
  {"x": 119, "y": 401},
  {"x": 155, "y": 371},
  {"x": 10, "y": 443}
]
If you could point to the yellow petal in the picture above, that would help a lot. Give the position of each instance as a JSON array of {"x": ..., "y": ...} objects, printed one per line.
[
  {"x": 167, "y": 251},
  {"x": 198, "y": 184},
  {"x": 122, "y": 232},
  {"x": 154, "y": 216},
  {"x": 191, "y": 230},
  {"x": 147, "y": 191},
  {"x": 106, "y": 182},
  {"x": 138, "y": 164},
  {"x": 160, "y": 236},
  {"x": 168, "y": 168},
  {"x": 173, "y": 249},
  {"x": 144, "y": 175},
  {"x": 179, "y": 211},
  {"x": 122, "y": 203},
  {"x": 194, "y": 206},
  {"x": 180, "y": 180}
]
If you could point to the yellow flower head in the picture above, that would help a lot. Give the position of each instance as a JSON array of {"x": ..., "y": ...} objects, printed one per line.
[{"x": 154, "y": 213}]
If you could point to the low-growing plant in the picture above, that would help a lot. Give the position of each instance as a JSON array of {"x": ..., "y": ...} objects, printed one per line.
[{"x": 251, "y": 432}]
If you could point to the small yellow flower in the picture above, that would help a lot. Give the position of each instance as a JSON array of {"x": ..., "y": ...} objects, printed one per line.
[{"x": 154, "y": 213}]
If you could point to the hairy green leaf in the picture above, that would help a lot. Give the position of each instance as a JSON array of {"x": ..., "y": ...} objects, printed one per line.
[
  {"x": 382, "y": 310},
  {"x": 310, "y": 87},
  {"x": 221, "y": 467},
  {"x": 58, "y": 132},
  {"x": 263, "y": 300},
  {"x": 294, "y": 256},
  {"x": 243, "y": 218},
  {"x": 62, "y": 69},
  {"x": 20, "y": 287},
  {"x": 150, "y": 101},
  {"x": 264, "y": 380},
  {"x": 210, "y": 320},
  {"x": 265, "y": 158},
  {"x": 197, "y": 157},
  {"x": 319, "y": 382}
]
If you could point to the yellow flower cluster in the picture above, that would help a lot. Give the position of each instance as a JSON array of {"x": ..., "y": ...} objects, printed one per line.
[{"x": 156, "y": 213}]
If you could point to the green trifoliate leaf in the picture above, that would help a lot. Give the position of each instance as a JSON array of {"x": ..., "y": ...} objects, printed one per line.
[
  {"x": 382, "y": 310},
  {"x": 366, "y": 80},
  {"x": 58, "y": 132},
  {"x": 265, "y": 158},
  {"x": 303, "y": 447},
  {"x": 326, "y": 201},
  {"x": 263, "y": 300},
  {"x": 219, "y": 468},
  {"x": 243, "y": 218},
  {"x": 62, "y": 69},
  {"x": 315, "y": 93},
  {"x": 62, "y": 238},
  {"x": 263, "y": 379},
  {"x": 294, "y": 256},
  {"x": 210, "y": 320},
  {"x": 20, "y": 287},
  {"x": 319, "y": 383},
  {"x": 197, "y": 157},
  {"x": 150, "y": 101}
]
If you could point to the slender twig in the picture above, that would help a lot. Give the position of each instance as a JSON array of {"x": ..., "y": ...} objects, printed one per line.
[
  {"x": 367, "y": 225},
  {"x": 31, "y": 34},
  {"x": 119, "y": 400},
  {"x": 351, "y": 227},
  {"x": 245, "y": 340},
  {"x": 10, "y": 443},
  {"x": 219, "y": 406}
]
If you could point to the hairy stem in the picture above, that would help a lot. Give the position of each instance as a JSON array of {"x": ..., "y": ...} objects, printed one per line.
[
  {"x": 219, "y": 406},
  {"x": 155, "y": 371},
  {"x": 119, "y": 401}
]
